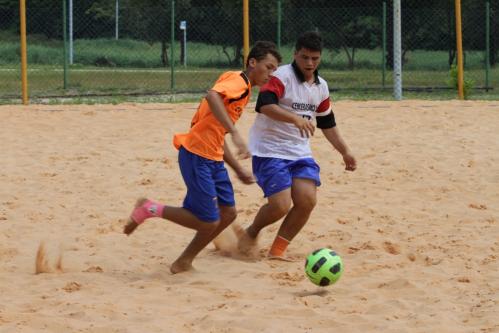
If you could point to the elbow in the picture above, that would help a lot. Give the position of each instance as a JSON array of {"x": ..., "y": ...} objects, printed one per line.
[{"x": 266, "y": 109}]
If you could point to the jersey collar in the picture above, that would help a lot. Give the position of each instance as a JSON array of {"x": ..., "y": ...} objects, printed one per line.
[{"x": 300, "y": 75}]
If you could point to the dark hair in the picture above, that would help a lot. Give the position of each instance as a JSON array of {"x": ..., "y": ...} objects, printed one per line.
[
  {"x": 260, "y": 50},
  {"x": 310, "y": 40}
]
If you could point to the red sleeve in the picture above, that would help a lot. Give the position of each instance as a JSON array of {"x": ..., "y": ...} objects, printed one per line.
[
  {"x": 324, "y": 106},
  {"x": 274, "y": 85}
]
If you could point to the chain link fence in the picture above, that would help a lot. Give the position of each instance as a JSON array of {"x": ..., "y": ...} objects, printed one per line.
[{"x": 131, "y": 47}]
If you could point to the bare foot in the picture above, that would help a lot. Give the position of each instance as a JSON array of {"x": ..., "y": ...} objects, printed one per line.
[
  {"x": 180, "y": 266},
  {"x": 245, "y": 244},
  {"x": 130, "y": 227}
]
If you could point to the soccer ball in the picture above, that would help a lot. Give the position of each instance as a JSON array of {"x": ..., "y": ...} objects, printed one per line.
[{"x": 323, "y": 267}]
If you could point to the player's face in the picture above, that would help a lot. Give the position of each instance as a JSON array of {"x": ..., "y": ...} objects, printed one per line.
[
  {"x": 307, "y": 61},
  {"x": 263, "y": 69}
]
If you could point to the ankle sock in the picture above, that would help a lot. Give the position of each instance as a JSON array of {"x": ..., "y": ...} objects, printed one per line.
[
  {"x": 147, "y": 210},
  {"x": 279, "y": 247}
]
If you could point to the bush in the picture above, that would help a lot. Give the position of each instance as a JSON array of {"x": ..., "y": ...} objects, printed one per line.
[{"x": 453, "y": 82}]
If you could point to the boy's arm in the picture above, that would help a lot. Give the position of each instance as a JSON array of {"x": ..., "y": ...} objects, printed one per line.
[
  {"x": 218, "y": 109},
  {"x": 244, "y": 175},
  {"x": 275, "y": 112},
  {"x": 333, "y": 136}
]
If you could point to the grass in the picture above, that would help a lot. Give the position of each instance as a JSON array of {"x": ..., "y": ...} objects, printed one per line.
[
  {"x": 134, "y": 67},
  {"x": 48, "y": 80},
  {"x": 140, "y": 54}
]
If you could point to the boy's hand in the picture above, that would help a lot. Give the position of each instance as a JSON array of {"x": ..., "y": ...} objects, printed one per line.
[
  {"x": 245, "y": 176},
  {"x": 305, "y": 126},
  {"x": 242, "y": 150},
  {"x": 350, "y": 162}
]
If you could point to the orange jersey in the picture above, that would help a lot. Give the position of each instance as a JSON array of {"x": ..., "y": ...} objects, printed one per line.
[{"x": 206, "y": 136}]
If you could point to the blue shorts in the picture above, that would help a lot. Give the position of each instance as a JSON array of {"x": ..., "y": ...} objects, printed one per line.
[
  {"x": 208, "y": 185},
  {"x": 274, "y": 175}
]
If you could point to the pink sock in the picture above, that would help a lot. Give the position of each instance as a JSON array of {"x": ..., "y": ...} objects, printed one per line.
[{"x": 146, "y": 210}]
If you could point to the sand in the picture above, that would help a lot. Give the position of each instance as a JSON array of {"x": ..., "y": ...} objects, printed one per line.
[{"x": 417, "y": 226}]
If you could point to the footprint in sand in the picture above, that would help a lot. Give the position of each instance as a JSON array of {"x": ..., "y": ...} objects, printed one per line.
[{"x": 391, "y": 248}]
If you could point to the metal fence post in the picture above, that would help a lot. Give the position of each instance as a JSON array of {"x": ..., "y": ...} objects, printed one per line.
[
  {"x": 65, "y": 37},
  {"x": 70, "y": 32},
  {"x": 172, "y": 49},
  {"x": 279, "y": 22},
  {"x": 246, "y": 41},
  {"x": 487, "y": 45},
  {"x": 24, "y": 60},
  {"x": 383, "y": 60},
  {"x": 459, "y": 48},
  {"x": 397, "y": 51},
  {"x": 117, "y": 20}
]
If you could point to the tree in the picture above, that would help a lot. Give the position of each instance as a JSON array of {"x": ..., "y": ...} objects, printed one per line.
[
  {"x": 359, "y": 32},
  {"x": 148, "y": 20},
  {"x": 7, "y": 18}
]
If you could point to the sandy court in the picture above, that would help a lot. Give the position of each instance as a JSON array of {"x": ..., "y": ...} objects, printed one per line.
[{"x": 417, "y": 226}]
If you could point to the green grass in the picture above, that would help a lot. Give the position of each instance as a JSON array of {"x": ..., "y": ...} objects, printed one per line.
[
  {"x": 359, "y": 84},
  {"x": 134, "y": 67},
  {"x": 140, "y": 54}
]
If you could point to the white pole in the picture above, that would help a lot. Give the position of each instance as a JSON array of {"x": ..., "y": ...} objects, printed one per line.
[
  {"x": 185, "y": 47},
  {"x": 117, "y": 18},
  {"x": 183, "y": 27},
  {"x": 71, "y": 32},
  {"x": 397, "y": 50}
]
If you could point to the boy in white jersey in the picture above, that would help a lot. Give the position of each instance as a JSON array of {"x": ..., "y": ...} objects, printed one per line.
[{"x": 279, "y": 141}]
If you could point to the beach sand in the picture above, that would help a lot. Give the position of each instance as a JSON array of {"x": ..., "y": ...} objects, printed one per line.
[{"x": 417, "y": 226}]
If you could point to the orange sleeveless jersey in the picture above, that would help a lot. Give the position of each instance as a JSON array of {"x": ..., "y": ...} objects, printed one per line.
[{"x": 206, "y": 136}]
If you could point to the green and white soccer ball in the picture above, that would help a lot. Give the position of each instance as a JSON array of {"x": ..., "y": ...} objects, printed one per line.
[{"x": 323, "y": 267}]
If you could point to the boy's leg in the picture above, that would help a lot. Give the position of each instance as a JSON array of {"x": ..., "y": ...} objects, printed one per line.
[
  {"x": 227, "y": 215},
  {"x": 199, "y": 212},
  {"x": 180, "y": 216},
  {"x": 274, "y": 178},
  {"x": 199, "y": 204},
  {"x": 202, "y": 238},
  {"x": 304, "y": 195},
  {"x": 225, "y": 241},
  {"x": 145, "y": 209},
  {"x": 276, "y": 207}
]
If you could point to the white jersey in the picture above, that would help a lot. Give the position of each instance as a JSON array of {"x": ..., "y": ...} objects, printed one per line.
[{"x": 278, "y": 139}]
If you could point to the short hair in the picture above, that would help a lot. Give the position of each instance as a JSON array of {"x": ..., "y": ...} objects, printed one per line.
[
  {"x": 310, "y": 40},
  {"x": 260, "y": 50}
]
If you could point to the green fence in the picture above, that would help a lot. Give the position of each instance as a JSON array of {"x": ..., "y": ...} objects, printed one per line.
[{"x": 120, "y": 47}]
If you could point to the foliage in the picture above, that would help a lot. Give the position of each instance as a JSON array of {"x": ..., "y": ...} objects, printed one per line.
[
  {"x": 347, "y": 25},
  {"x": 453, "y": 82}
]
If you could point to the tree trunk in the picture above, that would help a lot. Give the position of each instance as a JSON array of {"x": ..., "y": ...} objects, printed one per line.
[
  {"x": 349, "y": 56},
  {"x": 224, "y": 50},
  {"x": 493, "y": 54},
  {"x": 352, "y": 63},
  {"x": 450, "y": 35},
  {"x": 238, "y": 56},
  {"x": 164, "y": 54}
]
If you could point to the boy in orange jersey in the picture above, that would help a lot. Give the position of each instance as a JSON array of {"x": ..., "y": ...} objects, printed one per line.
[{"x": 209, "y": 205}]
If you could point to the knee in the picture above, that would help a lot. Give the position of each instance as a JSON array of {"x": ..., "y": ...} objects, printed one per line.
[
  {"x": 280, "y": 208},
  {"x": 209, "y": 227},
  {"x": 228, "y": 214},
  {"x": 306, "y": 204}
]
